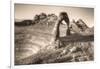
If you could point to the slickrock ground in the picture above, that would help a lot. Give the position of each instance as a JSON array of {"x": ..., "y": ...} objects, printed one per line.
[{"x": 31, "y": 47}]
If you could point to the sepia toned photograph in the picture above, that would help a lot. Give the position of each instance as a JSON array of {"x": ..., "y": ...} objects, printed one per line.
[{"x": 45, "y": 34}]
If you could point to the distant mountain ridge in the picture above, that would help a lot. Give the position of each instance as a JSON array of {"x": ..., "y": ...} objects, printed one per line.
[{"x": 19, "y": 20}]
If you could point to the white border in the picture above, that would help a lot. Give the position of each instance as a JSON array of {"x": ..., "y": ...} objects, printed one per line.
[
  {"x": 50, "y": 66},
  {"x": 55, "y": 3},
  {"x": 12, "y": 35}
]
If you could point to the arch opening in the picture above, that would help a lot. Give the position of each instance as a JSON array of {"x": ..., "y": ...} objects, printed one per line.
[{"x": 63, "y": 29}]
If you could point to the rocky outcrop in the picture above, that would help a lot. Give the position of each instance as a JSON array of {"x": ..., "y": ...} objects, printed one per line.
[{"x": 81, "y": 28}]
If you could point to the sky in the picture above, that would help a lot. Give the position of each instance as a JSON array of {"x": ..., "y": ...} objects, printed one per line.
[{"x": 28, "y": 11}]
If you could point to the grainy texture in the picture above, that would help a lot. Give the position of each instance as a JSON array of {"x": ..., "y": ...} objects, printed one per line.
[{"x": 33, "y": 43}]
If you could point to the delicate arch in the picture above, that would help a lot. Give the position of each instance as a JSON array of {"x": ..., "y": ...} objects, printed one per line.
[
  {"x": 63, "y": 17},
  {"x": 56, "y": 32}
]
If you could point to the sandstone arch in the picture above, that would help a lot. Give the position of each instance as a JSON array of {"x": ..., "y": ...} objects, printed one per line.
[
  {"x": 62, "y": 17},
  {"x": 56, "y": 32}
]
